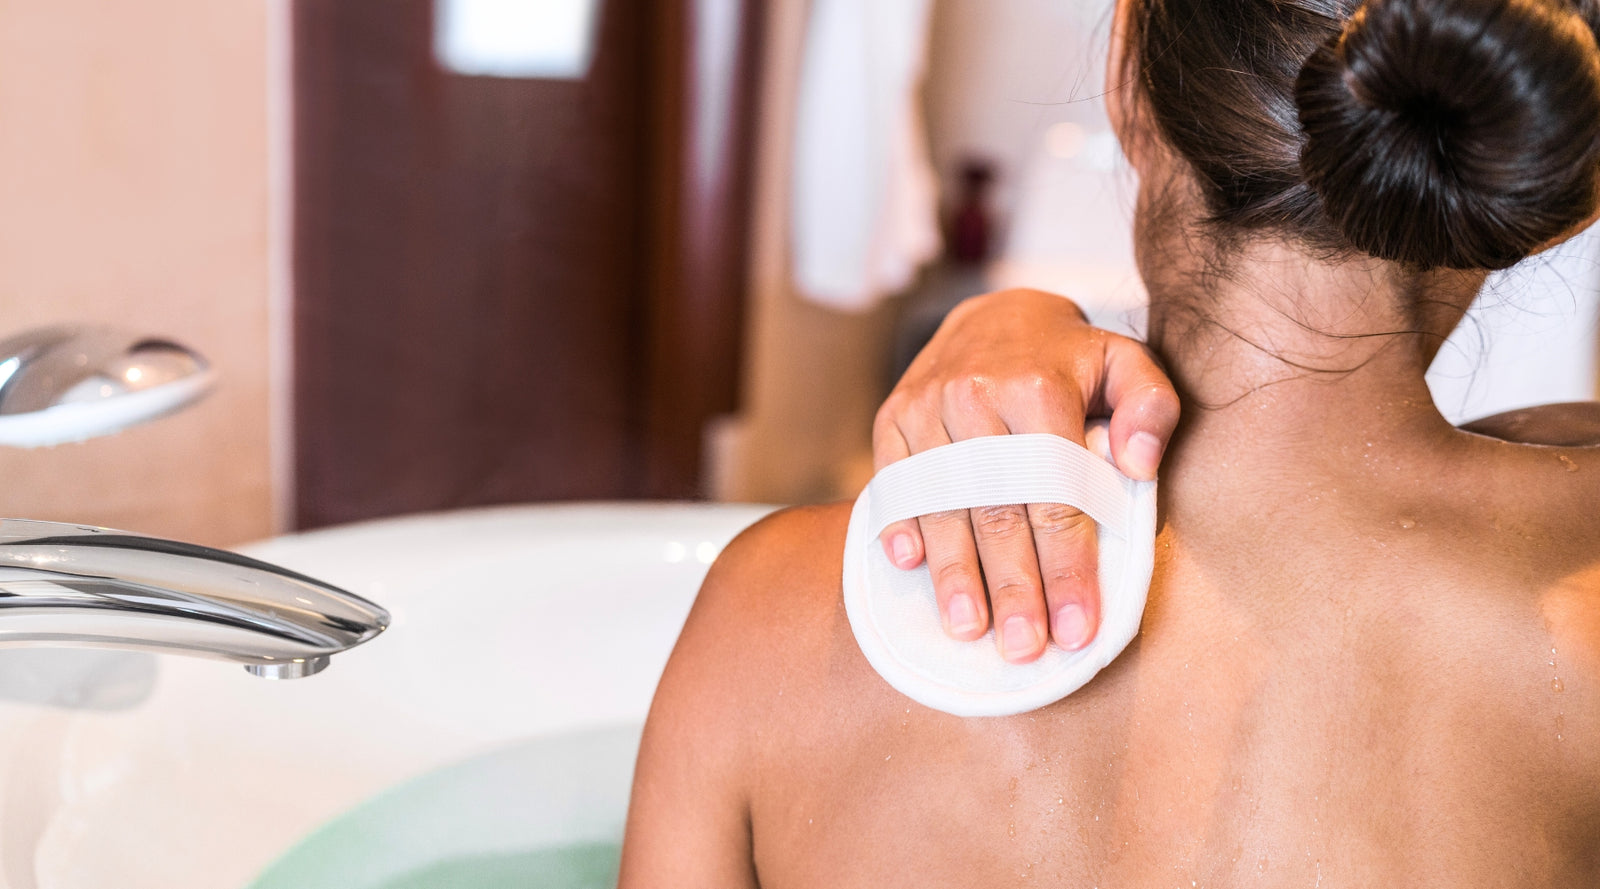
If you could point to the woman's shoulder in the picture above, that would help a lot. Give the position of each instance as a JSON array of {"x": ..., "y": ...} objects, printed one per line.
[
  {"x": 766, "y": 652},
  {"x": 726, "y": 698},
  {"x": 782, "y": 573},
  {"x": 1542, "y": 466},
  {"x": 1570, "y": 688},
  {"x": 807, "y": 535},
  {"x": 1560, "y": 491},
  {"x": 770, "y": 610},
  {"x": 1574, "y": 424}
]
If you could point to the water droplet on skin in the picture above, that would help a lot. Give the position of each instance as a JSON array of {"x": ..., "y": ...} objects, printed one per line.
[
  {"x": 1407, "y": 524},
  {"x": 889, "y": 757},
  {"x": 1567, "y": 463},
  {"x": 1262, "y": 864},
  {"x": 1011, "y": 829},
  {"x": 1557, "y": 686}
]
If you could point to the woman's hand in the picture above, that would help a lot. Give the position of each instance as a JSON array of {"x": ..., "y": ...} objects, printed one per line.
[{"x": 1012, "y": 362}]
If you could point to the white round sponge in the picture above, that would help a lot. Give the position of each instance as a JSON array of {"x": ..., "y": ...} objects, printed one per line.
[{"x": 894, "y": 613}]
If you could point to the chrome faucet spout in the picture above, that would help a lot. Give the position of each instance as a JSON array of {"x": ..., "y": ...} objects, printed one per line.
[{"x": 73, "y": 585}]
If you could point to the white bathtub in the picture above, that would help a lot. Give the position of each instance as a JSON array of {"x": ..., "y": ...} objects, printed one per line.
[{"x": 522, "y": 637}]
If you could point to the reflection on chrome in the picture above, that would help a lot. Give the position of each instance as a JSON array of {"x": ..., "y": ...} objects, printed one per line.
[
  {"x": 71, "y": 585},
  {"x": 68, "y": 383}
]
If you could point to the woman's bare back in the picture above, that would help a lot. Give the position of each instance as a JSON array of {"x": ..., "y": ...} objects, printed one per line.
[{"x": 1373, "y": 674}]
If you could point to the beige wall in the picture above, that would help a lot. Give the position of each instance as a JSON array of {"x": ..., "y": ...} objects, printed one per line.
[
  {"x": 813, "y": 377},
  {"x": 1001, "y": 73},
  {"x": 998, "y": 76},
  {"x": 133, "y": 191}
]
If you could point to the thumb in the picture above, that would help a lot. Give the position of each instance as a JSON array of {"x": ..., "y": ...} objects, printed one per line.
[{"x": 1144, "y": 408}]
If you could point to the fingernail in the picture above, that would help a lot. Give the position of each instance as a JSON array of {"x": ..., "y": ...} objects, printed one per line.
[
  {"x": 1143, "y": 455},
  {"x": 962, "y": 614},
  {"x": 1072, "y": 627},
  {"x": 905, "y": 552},
  {"x": 1018, "y": 638}
]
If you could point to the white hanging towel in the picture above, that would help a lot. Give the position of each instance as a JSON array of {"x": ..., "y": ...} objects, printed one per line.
[{"x": 865, "y": 201}]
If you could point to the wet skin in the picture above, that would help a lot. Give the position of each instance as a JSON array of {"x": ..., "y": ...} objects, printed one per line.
[
  {"x": 1371, "y": 653},
  {"x": 1411, "y": 701}
]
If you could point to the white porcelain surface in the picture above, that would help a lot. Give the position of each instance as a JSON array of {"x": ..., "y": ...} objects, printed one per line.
[{"x": 139, "y": 770}]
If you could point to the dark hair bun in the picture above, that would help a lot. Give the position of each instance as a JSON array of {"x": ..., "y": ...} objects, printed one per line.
[{"x": 1454, "y": 133}]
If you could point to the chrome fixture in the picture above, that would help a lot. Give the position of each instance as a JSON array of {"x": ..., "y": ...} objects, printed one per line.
[
  {"x": 68, "y": 383},
  {"x": 70, "y": 585},
  {"x": 74, "y": 585}
]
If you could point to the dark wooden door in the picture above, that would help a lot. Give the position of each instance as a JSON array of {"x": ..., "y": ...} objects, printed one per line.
[{"x": 502, "y": 286}]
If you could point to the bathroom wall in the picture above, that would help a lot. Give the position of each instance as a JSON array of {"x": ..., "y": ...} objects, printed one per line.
[
  {"x": 1022, "y": 84},
  {"x": 1001, "y": 74},
  {"x": 812, "y": 377},
  {"x": 134, "y": 191}
]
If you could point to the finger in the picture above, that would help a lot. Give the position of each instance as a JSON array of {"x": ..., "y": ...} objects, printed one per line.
[
  {"x": 1067, "y": 542},
  {"x": 1144, "y": 408},
  {"x": 1003, "y": 536},
  {"x": 946, "y": 542},
  {"x": 1011, "y": 573},
  {"x": 901, "y": 541},
  {"x": 888, "y": 441},
  {"x": 953, "y": 563}
]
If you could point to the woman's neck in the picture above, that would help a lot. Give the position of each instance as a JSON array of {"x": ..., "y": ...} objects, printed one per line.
[{"x": 1299, "y": 356}]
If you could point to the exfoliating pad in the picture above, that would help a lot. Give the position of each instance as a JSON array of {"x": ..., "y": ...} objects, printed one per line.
[{"x": 895, "y": 614}]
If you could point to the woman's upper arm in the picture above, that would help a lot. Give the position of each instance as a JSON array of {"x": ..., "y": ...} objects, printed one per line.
[{"x": 688, "y": 820}]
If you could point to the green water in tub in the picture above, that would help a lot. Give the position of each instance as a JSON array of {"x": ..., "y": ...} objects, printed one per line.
[
  {"x": 584, "y": 866},
  {"x": 544, "y": 813}
]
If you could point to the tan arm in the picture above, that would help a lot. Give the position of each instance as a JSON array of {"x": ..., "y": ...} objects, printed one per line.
[{"x": 688, "y": 818}]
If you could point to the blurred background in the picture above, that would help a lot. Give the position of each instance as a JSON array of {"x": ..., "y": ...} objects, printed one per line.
[{"x": 446, "y": 253}]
